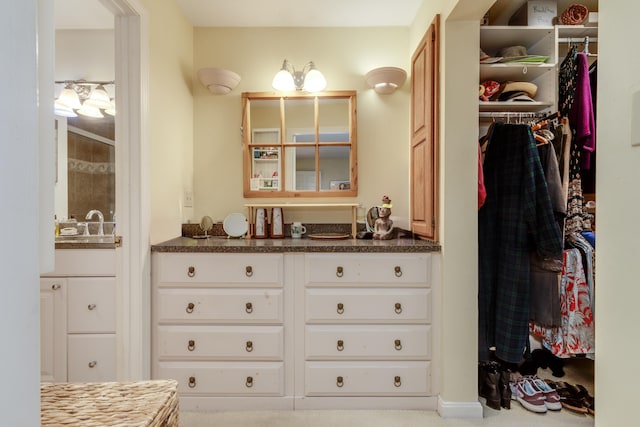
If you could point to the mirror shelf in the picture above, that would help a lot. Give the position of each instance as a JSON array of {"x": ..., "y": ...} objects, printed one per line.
[{"x": 299, "y": 144}]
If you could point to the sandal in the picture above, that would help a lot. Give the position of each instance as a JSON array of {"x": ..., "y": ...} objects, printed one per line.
[{"x": 570, "y": 398}]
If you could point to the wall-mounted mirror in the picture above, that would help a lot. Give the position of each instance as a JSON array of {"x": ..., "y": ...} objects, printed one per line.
[
  {"x": 85, "y": 169},
  {"x": 300, "y": 145}
]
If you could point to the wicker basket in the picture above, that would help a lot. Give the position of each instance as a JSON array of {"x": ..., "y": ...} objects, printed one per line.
[{"x": 140, "y": 403}]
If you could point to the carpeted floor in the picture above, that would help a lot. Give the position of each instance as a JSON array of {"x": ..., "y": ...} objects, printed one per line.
[{"x": 578, "y": 371}]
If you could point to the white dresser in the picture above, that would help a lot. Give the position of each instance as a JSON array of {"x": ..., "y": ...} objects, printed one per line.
[
  {"x": 294, "y": 330},
  {"x": 219, "y": 329}
]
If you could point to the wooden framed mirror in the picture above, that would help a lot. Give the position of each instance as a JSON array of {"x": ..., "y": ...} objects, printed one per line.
[{"x": 299, "y": 145}]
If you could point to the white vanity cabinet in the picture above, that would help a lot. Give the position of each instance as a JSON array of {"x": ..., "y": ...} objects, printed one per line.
[
  {"x": 219, "y": 329},
  {"x": 367, "y": 331},
  {"x": 78, "y": 317},
  {"x": 294, "y": 330}
]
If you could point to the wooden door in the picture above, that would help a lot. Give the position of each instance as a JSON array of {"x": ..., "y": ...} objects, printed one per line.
[{"x": 425, "y": 101}]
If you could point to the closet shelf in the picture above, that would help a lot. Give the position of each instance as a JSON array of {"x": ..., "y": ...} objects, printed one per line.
[
  {"x": 514, "y": 106},
  {"x": 511, "y": 71}
]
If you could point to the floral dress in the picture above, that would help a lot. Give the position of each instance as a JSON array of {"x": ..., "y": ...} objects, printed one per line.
[{"x": 576, "y": 335}]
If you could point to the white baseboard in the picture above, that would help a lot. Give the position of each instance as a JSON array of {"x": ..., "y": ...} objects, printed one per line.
[{"x": 459, "y": 409}]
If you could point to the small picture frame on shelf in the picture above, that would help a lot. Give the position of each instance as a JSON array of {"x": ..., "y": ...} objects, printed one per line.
[{"x": 340, "y": 185}]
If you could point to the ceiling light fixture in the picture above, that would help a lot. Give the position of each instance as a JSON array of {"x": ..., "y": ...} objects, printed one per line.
[
  {"x": 86, "y": 97},
  {"x": 385, "y": 80},
  {"x": 308, "y": 79}
]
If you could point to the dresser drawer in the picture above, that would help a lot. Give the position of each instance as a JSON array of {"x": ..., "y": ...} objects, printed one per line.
[
  {"x": 91, "y": 357},
  {"x": 369, "y": 269},
  {"x": 91, "y": 305},
  {"x": 368, "y": 305},
  {"x": 263, "y": 269},
  {"x": 220, "y": 342},
  {"x": 367, "y": 378},
  {"x": 219, "y": 305},
  {"x": 225, "y": 379},
  {"x": 407, "y": 342}
]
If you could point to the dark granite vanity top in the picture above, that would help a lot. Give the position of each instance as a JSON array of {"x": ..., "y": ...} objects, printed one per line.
[{"x": 229, "y": 245}]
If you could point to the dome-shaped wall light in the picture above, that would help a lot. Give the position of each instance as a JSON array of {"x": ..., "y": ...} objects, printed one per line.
[
  {"x": 218, "y": 80},
  {"x": 386, "y": 80},
  {"x": 308, "y": 79}
]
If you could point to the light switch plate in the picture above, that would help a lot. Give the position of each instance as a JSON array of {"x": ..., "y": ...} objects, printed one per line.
[{"x": 188, "y": 199}]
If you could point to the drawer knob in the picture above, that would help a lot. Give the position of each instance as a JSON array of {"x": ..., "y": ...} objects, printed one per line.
[
  {"x": 339, "y": 271},
  {"x": 398, "y": 308},
  {"x": 398, "y": 345},
  {"x": 192, "y": 382},
  {"x": 91, "y": 306},
  {"x": 339, "y": 381},
  {"x": 249, "y": 346},
  {"x": 397, "y": 381},
  {"x": 191, "y": 345},
  {"x": 190, "y": 307},
  {"x": 340, "y": 308},
  {"x": 340, "y": 345},
  {"x": 191, "y": 271},
  {"x": 248, "y": 270},
  {"x": 93, "y": 364},
  {"x": 249, "y": 382},
  {"x": 248, "y": 307},
  {"x": 55, "y": 286},
  {"x": 397, "y": 271}
]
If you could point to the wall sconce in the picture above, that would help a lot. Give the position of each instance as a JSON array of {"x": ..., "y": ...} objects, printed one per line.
[
  {"x": 86, "y": 97},
  {"x": 308, "y": 79},
  {"x": 385, "y": 80},
  {"x": 218, "y": 80}
]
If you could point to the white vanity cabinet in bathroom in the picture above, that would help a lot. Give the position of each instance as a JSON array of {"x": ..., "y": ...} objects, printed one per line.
[
  {"x": 367, "y": 331},
  {"x": 219, "y": 329},
  {"x": 294, "y": 330},
  {"x": 78, "y": 317}
]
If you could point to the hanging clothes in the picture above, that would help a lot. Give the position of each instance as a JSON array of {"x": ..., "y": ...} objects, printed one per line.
[
  {"x": 545, "y": 273},
  {"x": 581, "y": 114},
  {"x": 516, "y": 218},
  {"x": 567, "y": 81},
  {"x": 576, "y": 335},
  {"x": 482, "y": 191}
]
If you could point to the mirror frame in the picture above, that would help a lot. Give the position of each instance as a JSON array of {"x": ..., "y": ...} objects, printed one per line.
[{"x": 248, "y": 97}]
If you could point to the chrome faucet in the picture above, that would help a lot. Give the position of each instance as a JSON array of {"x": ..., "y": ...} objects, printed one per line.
[{"x": 100, "y": 219}]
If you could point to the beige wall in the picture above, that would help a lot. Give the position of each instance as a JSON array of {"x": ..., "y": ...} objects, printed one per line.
[
  {"x": 344, "y": 55},
  {"x": 170, "y": 115},
  {"x": 618, "y": 176}
]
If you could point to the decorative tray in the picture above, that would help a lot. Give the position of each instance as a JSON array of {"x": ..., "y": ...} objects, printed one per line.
[{"x": 329, "y": 236}]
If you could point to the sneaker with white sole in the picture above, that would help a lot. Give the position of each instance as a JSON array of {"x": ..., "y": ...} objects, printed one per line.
[
  {"x": 529, "y": 397},
  {"x": 551, "y": 397}
]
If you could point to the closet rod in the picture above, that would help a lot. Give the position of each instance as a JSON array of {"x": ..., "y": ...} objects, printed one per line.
[
  {"x": 577, "y": 39},
  {"x": 511, "y": 114}
]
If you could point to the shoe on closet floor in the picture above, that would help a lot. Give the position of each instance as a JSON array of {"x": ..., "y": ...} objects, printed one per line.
[
  {"x": 551, "y": 397},
  {"x": 529, "y": 397}
]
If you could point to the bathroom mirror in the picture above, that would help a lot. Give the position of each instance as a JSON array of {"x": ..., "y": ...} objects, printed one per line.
[
  {"x": 300, "y": 145},
  {"x": 85, "y": 167}
]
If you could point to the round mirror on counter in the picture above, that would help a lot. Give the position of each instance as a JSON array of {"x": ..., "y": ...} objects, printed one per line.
[{"x": 206, "y": 224}]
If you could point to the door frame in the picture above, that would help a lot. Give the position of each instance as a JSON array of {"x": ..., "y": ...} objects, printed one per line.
[{"x": 132, "y": 187}]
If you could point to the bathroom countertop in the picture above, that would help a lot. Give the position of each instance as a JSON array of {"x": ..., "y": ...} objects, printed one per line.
[
  {"x": 229, "y": 245},
  {"x": 89, "y": 243}
]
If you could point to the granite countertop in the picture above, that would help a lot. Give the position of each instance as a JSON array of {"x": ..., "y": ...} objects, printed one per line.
[
  {"x": 92, "y": 242},
  {"x": 229, "y": 245}
]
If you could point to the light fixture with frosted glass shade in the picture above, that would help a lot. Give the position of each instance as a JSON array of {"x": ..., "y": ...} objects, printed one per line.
[
  {"x": 386, "y": 80},
  {"x": 309, "y": 79},
  {"x": 99, "y": 98},
  {"x": 83, "y": 97}
]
